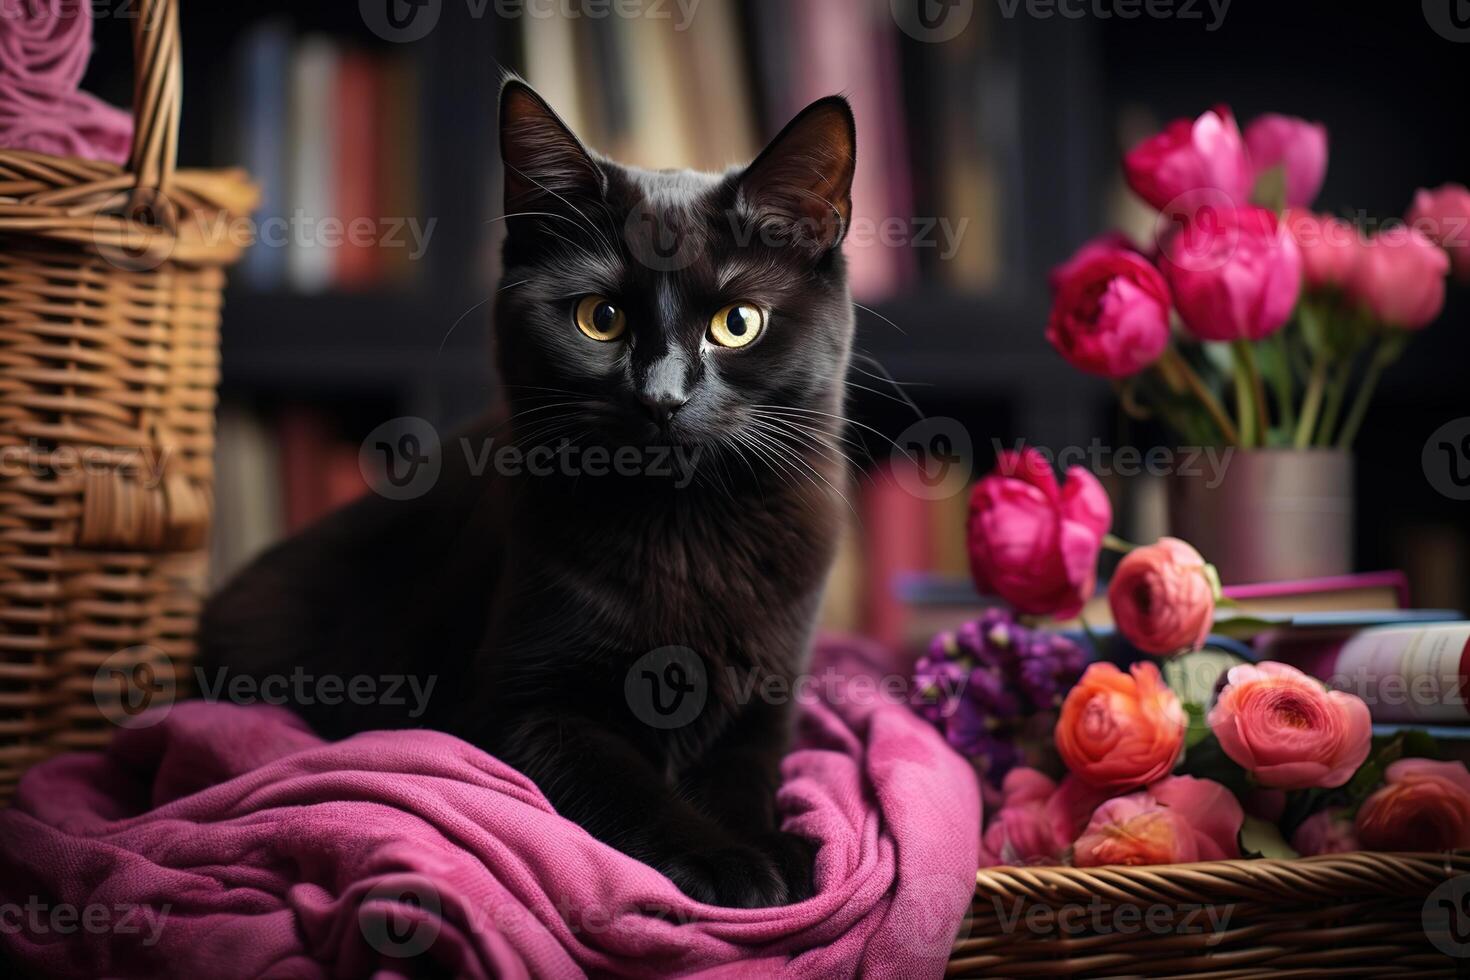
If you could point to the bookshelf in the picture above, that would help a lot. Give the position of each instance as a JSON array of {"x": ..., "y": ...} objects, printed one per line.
[{"x": 1014, "y": 125}]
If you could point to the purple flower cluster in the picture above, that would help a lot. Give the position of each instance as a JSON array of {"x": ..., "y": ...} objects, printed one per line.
[{"x": 982, "y": 683}]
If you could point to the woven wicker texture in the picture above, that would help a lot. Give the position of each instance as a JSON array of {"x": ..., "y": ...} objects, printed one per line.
[
  {"x": 110, "y": 282},
  {"x": 1356, "y": 914}
]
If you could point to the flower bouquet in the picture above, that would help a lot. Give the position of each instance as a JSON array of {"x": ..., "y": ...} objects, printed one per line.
[
  {"x": 1109, "y": 765},
  {"x": 1252, "y": 321}
]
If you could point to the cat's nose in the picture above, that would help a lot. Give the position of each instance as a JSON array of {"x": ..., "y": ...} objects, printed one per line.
[{"x": 662, "y": 404}]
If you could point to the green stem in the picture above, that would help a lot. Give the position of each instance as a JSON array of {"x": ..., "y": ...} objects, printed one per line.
[
  {"x": 1354, "y": 421},
  {"x": 1245, "y": 355},
  {"x": 1336, "y": 393},
  {"x": 1281, "y": 381},
  {"x": 1312, "y": 403},
  {"x": 1201, "y": 391},
  {"x": 1114, "y": 543},
  {"x": 1245, "y": 405}
]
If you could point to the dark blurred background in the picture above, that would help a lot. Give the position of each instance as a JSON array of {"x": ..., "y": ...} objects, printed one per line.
[{"x": 997, "y": 128}]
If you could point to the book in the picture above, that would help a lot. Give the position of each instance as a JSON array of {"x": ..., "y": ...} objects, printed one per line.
[
  {"x": 896, "y": 545},
  {"x": 358, "y": 103},
  {"x": 312, "y": 169},
  {"x": 248, "y": 505},
  {"x": 261, "y": 71},
  {"x": 1405, "y": 673},
  {"x": 938, "y": 602}
]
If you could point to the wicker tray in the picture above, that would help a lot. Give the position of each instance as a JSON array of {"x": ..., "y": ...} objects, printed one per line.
[
  {"x": 110, "y": 284},
  {"x": 1361, "y": 914}
]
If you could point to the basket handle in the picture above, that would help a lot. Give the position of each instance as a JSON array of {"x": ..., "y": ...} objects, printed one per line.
[{"x": 157, "y": 89}]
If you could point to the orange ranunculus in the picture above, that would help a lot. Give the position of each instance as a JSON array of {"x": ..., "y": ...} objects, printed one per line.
[
  {"x": 1120, "y": 731},
  {"x": 1423, "y": 806},
  {"x": 1287, "y": 730}
]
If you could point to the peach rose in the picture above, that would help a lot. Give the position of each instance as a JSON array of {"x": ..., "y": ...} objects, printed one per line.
[
  {"x": 1176, "y": 820},
  {"x": 1163, "y": 598},
  {"x": 1289, "y": 731},
  {"x": 1327, "y": 831},
  {"x": 1120, "y": 731},
  {"x": 1423, "y": 806}
]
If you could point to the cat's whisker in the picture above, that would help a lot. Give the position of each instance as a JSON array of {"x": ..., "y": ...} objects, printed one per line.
[
  {"x": 845, "y": 420},
  {"x": 869, "y": 309}
]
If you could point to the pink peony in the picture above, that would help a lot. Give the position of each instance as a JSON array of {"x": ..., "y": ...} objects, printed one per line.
[
  {"x": 1423, "y": 806},
  {"x": 1327, "y": 831},
  {"x": 1032, "y": 542},
  {"x": 1176, "y": 820},
  {"x": 1234, "y": 273},
  {"x": 1329, "y": 247},
  {"x": 1399, "y": 277},
  {"x": 1205, "y": 154},
  {"x": 1110, "y": 316},
  {"x": 1287, "y": 730},
  {"x": 1297, "y": 146},
  {"x": 1162, "y": 598},
  {"x": 1070, "y": 808},
  {"x": 1443, "y": 216}
]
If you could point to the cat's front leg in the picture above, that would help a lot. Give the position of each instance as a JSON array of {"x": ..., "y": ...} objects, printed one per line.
[
  {"x": 736, "y": 782},
  {"x": 611, "y": 782}
]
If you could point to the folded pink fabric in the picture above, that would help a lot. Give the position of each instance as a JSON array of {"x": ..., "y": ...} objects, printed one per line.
[
  {"x": 232, "y": 842},
  {"x": 44, "y": 48}
]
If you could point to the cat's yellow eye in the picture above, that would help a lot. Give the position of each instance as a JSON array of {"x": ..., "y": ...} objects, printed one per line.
[
  {"x": 736, "y": 325},
  {"x": 599, "y": 319}
]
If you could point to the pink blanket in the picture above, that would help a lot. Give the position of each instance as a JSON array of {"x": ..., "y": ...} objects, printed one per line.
[
  {"x": 229, "y": 841},
  {"x": 44, "y": 49}
]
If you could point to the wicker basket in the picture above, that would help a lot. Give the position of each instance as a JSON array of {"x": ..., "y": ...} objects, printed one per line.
[
  {"x": 1340, "y": 915},
  {"x": 110, "y": 282}
]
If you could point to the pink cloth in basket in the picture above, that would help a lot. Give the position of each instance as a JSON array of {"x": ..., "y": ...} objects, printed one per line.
[
  {"x": 228, "y": 841},
  {"x": 44, "y": 49}
]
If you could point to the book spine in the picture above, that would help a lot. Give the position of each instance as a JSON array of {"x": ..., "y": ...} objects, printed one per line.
[{"x": 1407, "y": 674}]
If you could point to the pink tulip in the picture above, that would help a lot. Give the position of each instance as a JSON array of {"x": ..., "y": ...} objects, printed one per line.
[
  {"x": 1297, "y": 146},
  {"x": 1327, "y": 831},
  {"x": 1399, "y": 277},
  {"x": 1035, "y": 543},
  {"x": 1287, "y": 730},
  {"x": 1234, "y": 273},
  {"x": 1443, "y": 215},
  {"x": 1423, "y": 806},
  {"x": 1176, "y": 820},
  {"x": 1110, "y": 316},
  {"x": 1162, "y": 598},
  {"x": 1206, "y": 154},
  {"x": 1330, "y": 247}
]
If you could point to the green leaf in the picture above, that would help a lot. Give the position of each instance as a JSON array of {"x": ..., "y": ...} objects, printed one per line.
[
  {"x": 1261, "y": 839},
  {"x": 1270, "y": 189},
  {"x": 1199, "y": 729}
]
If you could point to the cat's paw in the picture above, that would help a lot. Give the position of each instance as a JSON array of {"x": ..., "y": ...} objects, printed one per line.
[{"x": 778, "y": 871}]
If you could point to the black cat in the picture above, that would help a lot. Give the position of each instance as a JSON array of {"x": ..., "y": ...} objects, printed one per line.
[{"x": 653, "y": 322}]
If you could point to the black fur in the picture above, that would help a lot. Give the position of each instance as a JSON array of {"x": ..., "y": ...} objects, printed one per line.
[{"x": 529, "y": 597}]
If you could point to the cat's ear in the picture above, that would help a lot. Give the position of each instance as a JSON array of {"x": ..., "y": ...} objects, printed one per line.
[
  {"x": 543, "y": 158},
  {"x": 803, "y": 179}
]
